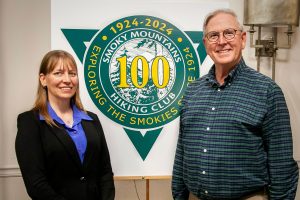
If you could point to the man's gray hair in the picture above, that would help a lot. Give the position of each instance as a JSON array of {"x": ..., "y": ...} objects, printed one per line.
[{"x": 216, "y": 12}]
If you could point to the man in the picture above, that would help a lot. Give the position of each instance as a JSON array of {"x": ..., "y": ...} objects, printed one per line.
[{"x": 235, "y": 138}]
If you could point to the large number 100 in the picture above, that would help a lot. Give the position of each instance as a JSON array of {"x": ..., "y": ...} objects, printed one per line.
[{"x": 145, "y": 72}]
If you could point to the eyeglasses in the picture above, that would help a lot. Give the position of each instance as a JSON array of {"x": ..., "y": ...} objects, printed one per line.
[{"x": 228, "y": 34}]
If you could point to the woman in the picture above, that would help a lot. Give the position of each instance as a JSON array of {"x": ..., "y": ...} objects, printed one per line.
[{"x": 61, "y": 149}]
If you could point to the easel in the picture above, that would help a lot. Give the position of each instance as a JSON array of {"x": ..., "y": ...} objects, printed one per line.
[{"x": 147, "y": 178}]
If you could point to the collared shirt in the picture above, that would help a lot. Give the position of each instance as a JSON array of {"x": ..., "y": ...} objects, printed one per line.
[
  {"x": 76, "y": 132},
  {"x": 234, "y": 139}
]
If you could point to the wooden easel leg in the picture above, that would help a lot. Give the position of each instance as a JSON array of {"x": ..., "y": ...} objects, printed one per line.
[{"x": 147, "y": 189}]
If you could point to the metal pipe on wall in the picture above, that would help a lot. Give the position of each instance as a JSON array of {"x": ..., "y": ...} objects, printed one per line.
[{"x": 274, "y": 14}]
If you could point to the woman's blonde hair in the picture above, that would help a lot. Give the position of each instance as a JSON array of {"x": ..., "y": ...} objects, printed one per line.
[{"x": 50, "y": 60}]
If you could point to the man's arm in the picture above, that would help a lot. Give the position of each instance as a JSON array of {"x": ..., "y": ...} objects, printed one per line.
[
  {"x": 179, "y": 190},
  {"x": 283, "y": 170}
]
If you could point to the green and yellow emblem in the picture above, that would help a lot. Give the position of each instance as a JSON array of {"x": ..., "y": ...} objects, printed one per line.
[{"x": 136, "y": 70}]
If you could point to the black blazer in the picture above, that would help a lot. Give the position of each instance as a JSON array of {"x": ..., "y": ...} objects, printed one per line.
[{"x": 51, "y": 167}]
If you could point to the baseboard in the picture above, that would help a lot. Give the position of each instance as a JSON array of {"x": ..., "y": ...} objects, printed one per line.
[
  {"x": 10, "y": 171},
  {"x": 14, "y": 171}
]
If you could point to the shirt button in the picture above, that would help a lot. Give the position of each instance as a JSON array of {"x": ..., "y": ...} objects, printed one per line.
[
  {"x": 206, "y": 192},
  {"x": 204, "y": 150},
  {"x": 213, "y": 108},
  {"x": 82, "y": 178},
  {"x": 219, "y": 89},
  {"x": 203, "y": 172},
  {"x": 207, "y": 128}
]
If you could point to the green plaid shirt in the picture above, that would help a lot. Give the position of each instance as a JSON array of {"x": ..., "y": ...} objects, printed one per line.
[{"x": 234, "y": 139}]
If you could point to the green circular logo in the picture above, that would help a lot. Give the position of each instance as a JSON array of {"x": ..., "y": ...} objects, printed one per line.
[{"x": 136, "y": 70}]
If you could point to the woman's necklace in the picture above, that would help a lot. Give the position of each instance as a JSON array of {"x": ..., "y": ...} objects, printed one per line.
[
  {"x": 67, "y": 118},
  {"x": 69, "y": 122}
]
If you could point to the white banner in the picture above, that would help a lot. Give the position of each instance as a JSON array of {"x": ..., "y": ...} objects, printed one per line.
[{"x": 160, "y": 41}]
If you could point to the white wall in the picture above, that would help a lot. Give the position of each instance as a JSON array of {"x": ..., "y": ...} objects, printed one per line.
[{"x": 25, "y": 38}]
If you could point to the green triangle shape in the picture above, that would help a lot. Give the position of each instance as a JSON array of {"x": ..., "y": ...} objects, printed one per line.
[
  {"x": 196, "y": 37},
  {"x": 77, "y": 37},
  {"x": 143, "y": 144}
]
